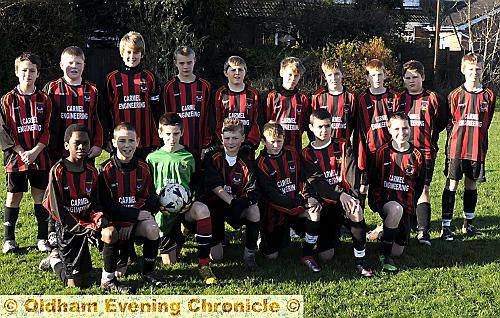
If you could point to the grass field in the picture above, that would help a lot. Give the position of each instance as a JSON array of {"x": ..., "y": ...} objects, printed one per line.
[{"x": 461, "y": 278}]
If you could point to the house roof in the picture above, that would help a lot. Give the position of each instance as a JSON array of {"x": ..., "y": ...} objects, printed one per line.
[
  {"x": 269, "y": 8},
  {"x": 479, "y": 10}
]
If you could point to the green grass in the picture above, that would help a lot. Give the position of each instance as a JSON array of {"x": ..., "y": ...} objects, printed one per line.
[{"x": 461, "y": 278}]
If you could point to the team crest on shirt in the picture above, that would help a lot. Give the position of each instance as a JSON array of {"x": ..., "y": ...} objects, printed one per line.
[
  {"x": 144, "y": 86},
  {"x": 183, "y": 166},
  {"x": 86, "y": 97},
  {"x": 462, "y": 105},
  {"x": 249, "y": 103},
  {"x": 199, "y": 96},
  {"x": 484, "y": 106},
  {"x": 39, "y": 107},
  {"x": 424, "y": 105},
  {"x": 390, "y": 102},
  {"x": 88, "y": 187},
  {"x": 299, "y": 108},
  {"x": 347, "y": 108},
  {"x": 409, "y": 170},
  {"x": 291, "y": 166},
  {"x": 225, "y": 103},
  {"x": 237, "y": 178},
  {"x": 139, "y": 184}
]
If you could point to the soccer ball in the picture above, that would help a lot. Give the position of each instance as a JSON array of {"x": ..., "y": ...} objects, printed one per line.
[{"x": 173, "y": 197}]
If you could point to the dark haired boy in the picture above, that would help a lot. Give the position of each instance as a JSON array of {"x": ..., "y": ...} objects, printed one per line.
[
  {"x": 24, "y": 136},
  {"x": 286, "y": 201},
  {"x": 72, "y": 200},
  {"x": 396, "y": 183},
  {"x": 331, "y": 170},
  {"x": 128, "y": 195},
  {"x": 173, "y": 163},
  {"x": 231, "y": 192}
]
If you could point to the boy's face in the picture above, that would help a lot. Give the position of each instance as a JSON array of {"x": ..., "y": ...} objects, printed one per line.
[
  {"x": 185, "y": 64},
  {"x": 27, "y": 73},
  {"x": 321, "y": 128},
  {"x": 125, "y": 141},
  {"x": 473, "y": 72},
  {"x": 376, "y": 78},
  {"x": 290, "y": 77},
  {"x": 72, "y": 66},
  {"x": 273, "y": 143},
  {"x": 232, "y": 142},
  {"x": 333, "y": 77},
  {"x": 399, "y": 130},
  {"x": 413, "y": 81},
  {"x": 131, "y": 56},
  {"x": 78, "y": 145},
  {"x": 235, "y": 74},
  {"x": 171, "y": 136}
]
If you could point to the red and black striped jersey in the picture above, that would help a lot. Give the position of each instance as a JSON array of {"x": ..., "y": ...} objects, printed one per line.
[
  {"x": 398, "y": 176},
  {"x": 331, "y": 169},
  {"x": 290, "y": 109},
  {"x": 72, "y": 197},
  {"x": 125, "y": 189},
  {"x": 192, "y": 102},
  {"x": 427, "y": 119},
  {"x": 243, "y": 105},
  {"x": 373, "y": 113},
  {"x": 73, "y": 104},
  {"x": 237, "y": 180},
  {"x": 342, "y": 107},
  {"x": 133, "y": 96},
  {"x": 25, "y": 122},
  {"x": 470, "y": 115}
]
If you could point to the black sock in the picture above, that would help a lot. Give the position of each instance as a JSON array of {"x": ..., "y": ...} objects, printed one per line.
[
  {"x": 149, "y": 252},
  {"x": 448, "y": 205},
  {"x": 203, "y": 237},
  {"x": 387, "y": 240},
  {"x": 362, "y": 200},
  {"x": 358, "y": 233},
  {"x": 311, "y": 237},
  {"x": 51, "y": 226},
  {"x": 470, "y": 201},
  {"x": 10, "y": 216},
  {"x": 251, "y": 235},
  {"x": 61, "y": 272},
  {"x": 423, "y": 212},
  {"x": 110, "y": 256},
  {"x": 123, "y": 253},
  {"x": 42, "y": 220}
]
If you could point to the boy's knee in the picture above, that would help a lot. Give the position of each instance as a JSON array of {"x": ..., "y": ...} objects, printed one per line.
[
  {"x": 109, "y": 235},
  {"x": 216, "y": 253},
  {"x": 200, "y": 211},
  {"x": 152, "y": 230},
  {"x": 253, "y": 214}
]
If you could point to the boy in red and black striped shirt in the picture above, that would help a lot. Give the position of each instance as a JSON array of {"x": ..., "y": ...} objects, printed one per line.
[
  {"x": 337, "y": 100},
  {"x": 331, "y": 170},
  {"x": 129, "y": 196},
  {"x": 396, "y": 182},
  {"x": 286, "y": 201},
  {"x": 24, "y": 136},
  {"x": 428, "y": 117},
  {"x": 74, "y": 101},
  {"x": 231, "y": 193},
  {"x": 189, "y": 96},
  {"x": 288, "y": 106},
  {"x": 133, "y": 96},
  {"x": 376, "y": 104},
  {"x": 237, "y": 99},
  {"x": 471, "y": 109}
]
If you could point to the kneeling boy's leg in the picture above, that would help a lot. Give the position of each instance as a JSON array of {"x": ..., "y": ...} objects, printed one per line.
[
  {"x": 392, "y": 212},
  {"x": 252, "y": 216},
  {"x": 200, "y": 215},
  {"x": 402, "y": 236},
  {"x": 150, "y": 231}
]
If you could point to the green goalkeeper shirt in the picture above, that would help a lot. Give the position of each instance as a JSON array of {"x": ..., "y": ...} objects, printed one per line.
[{"x": 170, "y": 167}]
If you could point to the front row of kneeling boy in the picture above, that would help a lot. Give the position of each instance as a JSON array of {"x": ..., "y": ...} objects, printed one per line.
[{"x": 314, "y": 192}]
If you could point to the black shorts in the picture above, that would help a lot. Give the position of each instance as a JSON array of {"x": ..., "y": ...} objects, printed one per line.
[
  {"x": 18, "y": 181},
  {"x": 74, "y": 252},
  {"x": 332, "y": 218},
  {"x": 220, "y": 213},
  {"x": 429, "y": 170},
  {"x": 279, "y": 238},
  {"x": 403, "y": 233},
  {"x": 455, "y": 169}
]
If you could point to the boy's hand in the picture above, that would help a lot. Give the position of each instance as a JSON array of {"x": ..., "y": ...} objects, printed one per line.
[
  {"x": 313, "y": 205},
  {"x": 95, "y": 152},
  {"x": 144, "y": 215},
  {"x": 349, "y": 203},
  {"x": 28, "y": 157},
  {"x": 102, "y": 222}
]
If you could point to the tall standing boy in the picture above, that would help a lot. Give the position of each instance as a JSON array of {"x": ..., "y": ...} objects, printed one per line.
[
  {"x": 427, "y": 115},
  {"x": 133, "y": 95},
  {"x": 173, "y": 163},
  {"x": 287, "y": 105},
  {"x": 471, "y": 108},
  {"x": 24, "y": 136},
  {"x": 237, "y": 99},
  {"x": 189, "y": 96}
]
